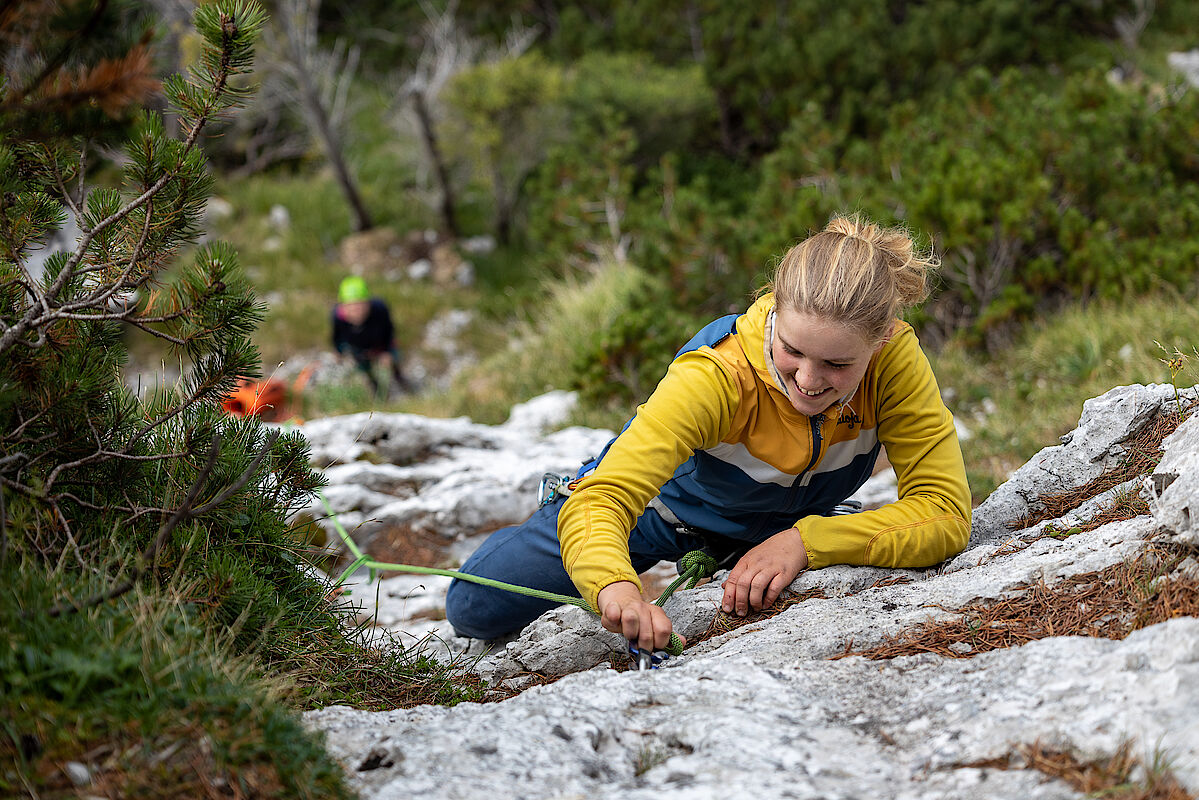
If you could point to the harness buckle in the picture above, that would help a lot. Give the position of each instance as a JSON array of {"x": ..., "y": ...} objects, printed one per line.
[{"x": 552, "y": 487}]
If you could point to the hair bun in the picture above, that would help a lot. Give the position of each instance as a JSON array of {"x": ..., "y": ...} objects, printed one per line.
[{"x": 855, "y": 272}]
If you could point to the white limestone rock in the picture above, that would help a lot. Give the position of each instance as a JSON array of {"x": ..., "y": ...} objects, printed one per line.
[
  {"x": 765, "y": 709},
  {"x": 907, "y": 728},
  {"x": 452, "y": 477},
  {"x": 1083, "y": 455},
  {"x": 1173, "y": 489}
]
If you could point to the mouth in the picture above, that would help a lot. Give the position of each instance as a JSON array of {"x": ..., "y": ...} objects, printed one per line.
[{"x": 806, "y": 393}]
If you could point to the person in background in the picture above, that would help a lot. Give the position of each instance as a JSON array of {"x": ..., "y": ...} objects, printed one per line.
[
  {"x": 363, "y": 331},
  {"x": 764, "y": 422}
]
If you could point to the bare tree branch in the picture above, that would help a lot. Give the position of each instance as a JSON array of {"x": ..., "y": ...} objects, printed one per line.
[{"x": 320, "y": 83}]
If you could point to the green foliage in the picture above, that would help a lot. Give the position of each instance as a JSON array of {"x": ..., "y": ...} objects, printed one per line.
[
  {"x": 1031, "y": 191},
  {"x": 619, "y": 364},
  {"x": 766, "y": 62},
  {"x": 580, "y": 195},
  {"x": 1052, "y": 366},
  {"x": 505, "y": 115},
  {"x": 668, "y": 109},
  {"x": 629, "y": 122},
  {"x": 562, "y": 345},
  {"x": 147, "y": 562}
]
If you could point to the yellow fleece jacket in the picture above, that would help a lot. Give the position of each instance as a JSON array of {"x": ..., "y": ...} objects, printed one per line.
[{"x": 721, "y": 447}]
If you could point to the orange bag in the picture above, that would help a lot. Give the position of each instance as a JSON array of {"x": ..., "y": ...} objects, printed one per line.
[{"x": 263, "y": 399}]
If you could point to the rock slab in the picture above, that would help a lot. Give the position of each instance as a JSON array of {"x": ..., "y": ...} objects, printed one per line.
[{"x": 769, "y": 709}]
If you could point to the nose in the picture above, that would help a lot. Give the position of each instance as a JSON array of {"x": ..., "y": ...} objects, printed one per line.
[{"x": 806, "y": 374}]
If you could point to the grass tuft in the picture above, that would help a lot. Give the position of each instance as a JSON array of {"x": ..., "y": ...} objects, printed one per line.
[{"x": 1121, "y": 775}]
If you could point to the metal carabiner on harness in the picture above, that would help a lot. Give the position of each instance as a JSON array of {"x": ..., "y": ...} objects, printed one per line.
[{"x": 552, "y": 487}]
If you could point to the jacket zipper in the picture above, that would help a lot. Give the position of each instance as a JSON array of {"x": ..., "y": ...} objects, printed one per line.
[{"x": 817, "y": 441}]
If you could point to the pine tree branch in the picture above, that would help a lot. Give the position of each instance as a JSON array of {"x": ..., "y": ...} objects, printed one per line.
[
  {"x": 175, "y": 412},
  {"x": 139, "y": 247},
  {"x": 149, "y": 557},
  {"x": 241, "y": 481},
  {"x": 76, "y": 499},
  {"x": 81, "y": 183},
  {"x": 12, "y": 459},
  {"x": 62, "y": 188},
  {"x": 66, "y": 528},
  {"x": 100, "y": 455},
  {"x": 16, "y": 432},
  {"x": 213, "y": 101},
  {"x": 160, "y": 334}
]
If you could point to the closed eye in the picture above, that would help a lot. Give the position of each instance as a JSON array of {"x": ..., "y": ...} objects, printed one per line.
[{"x": 791, "y": 351}]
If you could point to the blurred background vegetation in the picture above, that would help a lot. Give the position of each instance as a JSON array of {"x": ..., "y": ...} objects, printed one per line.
[{"x": 640, "y": 167}]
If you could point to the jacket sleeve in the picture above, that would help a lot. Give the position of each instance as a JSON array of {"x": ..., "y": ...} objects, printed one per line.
[
  {"x": 692, "y": 408},
  {"x": 931, "y": 520},
  {"x": 338, "y": 336},
  {"x": 385, "y": 331}
]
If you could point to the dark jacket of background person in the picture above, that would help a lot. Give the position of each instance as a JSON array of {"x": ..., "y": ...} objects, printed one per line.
[{"x": 375, "y": 335}]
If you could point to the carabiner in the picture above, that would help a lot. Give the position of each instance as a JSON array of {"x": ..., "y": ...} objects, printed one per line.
[{"x": 646, "y": 659}]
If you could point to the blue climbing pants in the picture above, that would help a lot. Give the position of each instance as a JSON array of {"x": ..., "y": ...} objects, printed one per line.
[{"x": 529, "y": 555}]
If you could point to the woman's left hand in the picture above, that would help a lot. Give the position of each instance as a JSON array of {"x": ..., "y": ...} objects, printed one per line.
[{"x": 762, "y": 573}]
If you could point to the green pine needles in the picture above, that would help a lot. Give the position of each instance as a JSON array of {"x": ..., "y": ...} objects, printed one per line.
[{"x": 144, "y": 540}]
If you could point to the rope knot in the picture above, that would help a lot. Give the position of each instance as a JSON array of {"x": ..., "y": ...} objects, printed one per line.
[{"x": 698, "y": 558}]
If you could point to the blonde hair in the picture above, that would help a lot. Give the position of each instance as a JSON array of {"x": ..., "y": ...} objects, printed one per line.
[{"x": 854, "y": 272}]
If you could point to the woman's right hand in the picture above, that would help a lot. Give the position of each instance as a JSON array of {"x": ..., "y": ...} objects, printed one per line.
[{"x": 623, "y": 610}]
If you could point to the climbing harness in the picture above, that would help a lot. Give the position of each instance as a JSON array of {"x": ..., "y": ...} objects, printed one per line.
[
  {"x": 554, "y": 486},
  {"x": 694, "y": 566}
]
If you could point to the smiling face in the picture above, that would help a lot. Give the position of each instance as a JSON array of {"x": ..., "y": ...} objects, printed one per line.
[{"x": 820, "y": 360}]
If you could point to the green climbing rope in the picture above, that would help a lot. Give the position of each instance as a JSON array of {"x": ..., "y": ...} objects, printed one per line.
[{"x": 693, "y": 566}]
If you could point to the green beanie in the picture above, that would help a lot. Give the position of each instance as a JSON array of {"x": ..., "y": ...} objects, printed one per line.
[{"x": 353, "y": 290}]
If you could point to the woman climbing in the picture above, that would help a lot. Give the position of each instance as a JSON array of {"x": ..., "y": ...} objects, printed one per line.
[{"x": 763, "y": 423}]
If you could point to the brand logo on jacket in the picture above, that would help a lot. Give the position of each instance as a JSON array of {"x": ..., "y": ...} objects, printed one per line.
[{"x": 849, "y": 417}]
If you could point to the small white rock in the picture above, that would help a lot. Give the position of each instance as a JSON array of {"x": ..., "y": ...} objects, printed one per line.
[{"x": 79, "y": 774}]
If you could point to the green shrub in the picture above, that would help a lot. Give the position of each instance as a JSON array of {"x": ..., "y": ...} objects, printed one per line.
[
  {"x": 564, "y": 344},
  {"x": 1031, "y": 191},
  {"x": 504, "y": 116},
  {"x": 766, "y": 62},
  {"x": 668, "y": 109},
  {"x": 619, "y": 364}
]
